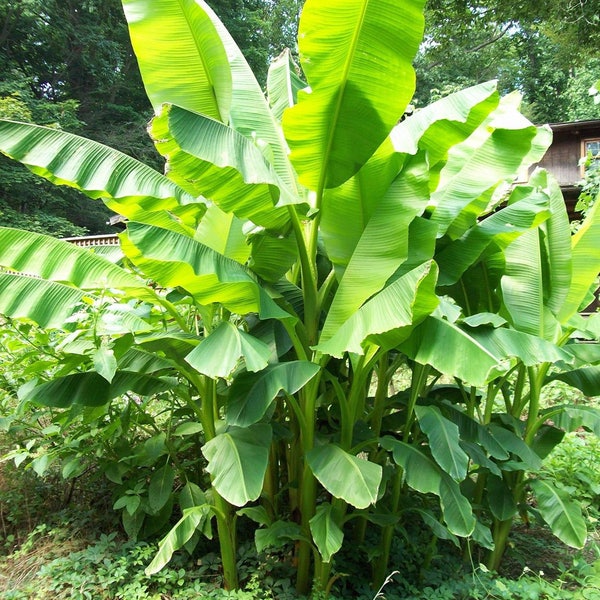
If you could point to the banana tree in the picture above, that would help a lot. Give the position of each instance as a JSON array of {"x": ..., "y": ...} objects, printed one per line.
[
  {"x": 516, "y": 297},
  {"x": 299, "y": 248}
]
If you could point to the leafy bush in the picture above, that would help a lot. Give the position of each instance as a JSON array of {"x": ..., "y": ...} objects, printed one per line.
[{"x": 233, "y": 368}]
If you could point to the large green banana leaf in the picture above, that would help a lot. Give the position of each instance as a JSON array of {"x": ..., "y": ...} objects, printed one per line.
[
  {"x": 210, "y": 159},
  {"x": 445, "y": 123},
  {"x": 251, "y": 394},
  {"x": 237, "y": 460},
  {"x": 425, "y": 476},
  {"x": 283, "y": 84},
  {"x": 507, "y": 343},
  {"x": 479, "y": 354},
  {"x": 181, "y": 56},
  {"x": 221, "y": 351},
  {"x": 250, "y": 112},
  {"x": 96, "y": 170},
  {"x": 586, "y": 379},
  {"x": 586, "y": 263},
  {"x": 175, "y": 260},
  {"x": 407, "y": 301},
  {"x": 326, "y": 533},
  {"x": 91, "y": 389},
  {"x": 224, "y": 233},
  {"x": 383, "y": 246},
  {"x": 444, "y": 441},
  {"x": 348, "y": 209},
  {"x": 193, "y": 519},
  {"x": 500, "y": 228},
  {"x": 523, "y": 287},
  {"x": 560, "y": 512},
  {"x": 344, "y": 475},
  {"x": 47, "y": 303},
  {"x": 557, "y": 243},
  {"x": 237, "y": 95},
  {"x": 352, "y": 103},
  {"x": 56, "y": 260},
  {"x": 454, "y": 353},
  {"x": 492, "y": 155}
]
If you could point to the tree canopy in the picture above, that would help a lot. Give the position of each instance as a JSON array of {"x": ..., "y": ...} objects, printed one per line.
[{"x": 70, "y": 64}]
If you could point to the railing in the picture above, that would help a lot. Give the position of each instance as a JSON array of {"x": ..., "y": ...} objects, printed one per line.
[{"x": 86, "y": 241}]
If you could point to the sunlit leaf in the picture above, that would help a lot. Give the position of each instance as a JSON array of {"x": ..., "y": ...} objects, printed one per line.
[{"x": 218, "y": 354}]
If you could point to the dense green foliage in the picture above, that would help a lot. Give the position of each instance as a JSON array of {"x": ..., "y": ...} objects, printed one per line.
[
  {"x": 46, "y": 539},
  {"x": 547, "y": 50},
  {"x": 70, "y": 64},
  {"x": 237, "y": 364}
]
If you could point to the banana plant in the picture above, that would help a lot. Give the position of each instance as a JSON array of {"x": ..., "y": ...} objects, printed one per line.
[
  {"x": 300, "y": 248},
  {"x": 520, "y": 302}
]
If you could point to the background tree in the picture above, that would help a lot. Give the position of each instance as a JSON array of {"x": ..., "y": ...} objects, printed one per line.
[
  {"x": 69, "y": 64},
  {"x": 541, "y": 49}
]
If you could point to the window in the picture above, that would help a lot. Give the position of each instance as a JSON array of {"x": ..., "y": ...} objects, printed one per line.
[{"x": 590, "y": 148}]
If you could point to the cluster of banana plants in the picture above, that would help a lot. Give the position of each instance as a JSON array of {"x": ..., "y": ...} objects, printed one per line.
[{"x": 303, "y": 247}]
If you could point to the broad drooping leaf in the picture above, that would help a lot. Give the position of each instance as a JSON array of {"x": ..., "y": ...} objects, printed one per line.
[
  {"x": 127, "y": 185},
  {"x": 210, "y": 159},
  {"x": 571, "y": 417},
  {"x": 193, "y": 519},
  {"x": 444, "y": 441},
  {"x": 501, "y": 228},
  {"x": 56, "y": 260},
  {"x": 237, "y": 461},
  {"x": 220, "y": 352},
  {"x": 561, "y": 512},
  {"x": 492, "y": 155},
  {"x": 435, "y": 128},
  {"x": 405, "y": 302},
  {"x": 469, "y": 360},
  {"x": 384, "y": 244},
  {"x": 326, "y": 533},
  {"x": 250, "y": 114},
  {"x": 425, "y": 476},
  {"x": 344, "y": 475},
  {"x": 251, "y": 394},
  {"x": 47, "y": 303},
  {"x": 200, "y": 78},
  {"x": 176, "y": 260},
  {"x": 91, "y": 389},
  {"x": 352, "y": 103}
]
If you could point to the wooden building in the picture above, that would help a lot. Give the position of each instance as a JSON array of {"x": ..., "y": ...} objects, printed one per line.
[{"x": 571, "y": 143}]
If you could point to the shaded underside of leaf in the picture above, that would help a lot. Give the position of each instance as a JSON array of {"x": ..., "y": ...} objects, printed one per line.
[
  {"x": 237, "y": 462},
  {"x": 345, "y": 476}
]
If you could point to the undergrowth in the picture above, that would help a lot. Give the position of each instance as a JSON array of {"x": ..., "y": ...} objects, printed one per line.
[{"x": 63, "y": 542}]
